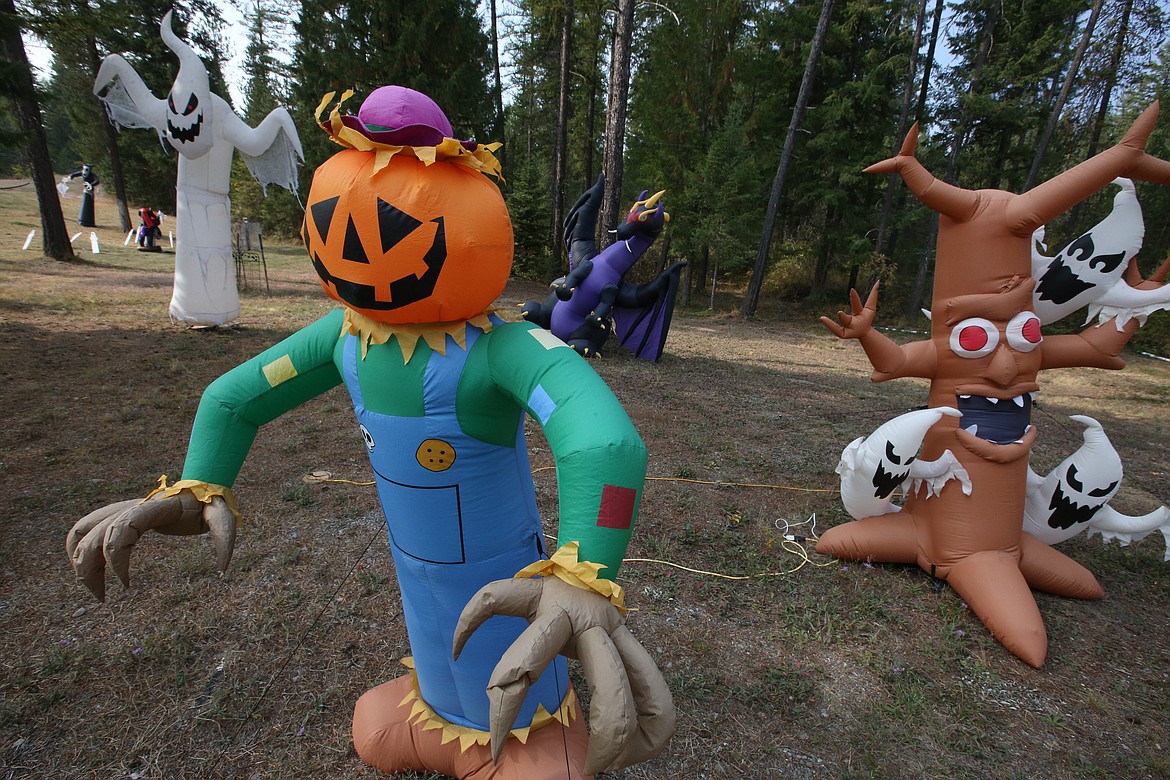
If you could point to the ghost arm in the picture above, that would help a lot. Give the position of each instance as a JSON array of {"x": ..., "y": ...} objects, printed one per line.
[
  {"x": 230, "y": 413},
  {"x": 271, "y": 150},
  {"x": 128, "y": 100},
  {"x": 570, "y": 601}
]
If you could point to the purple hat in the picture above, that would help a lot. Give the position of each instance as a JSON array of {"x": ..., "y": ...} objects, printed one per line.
[{"x": 401, "y": 117}]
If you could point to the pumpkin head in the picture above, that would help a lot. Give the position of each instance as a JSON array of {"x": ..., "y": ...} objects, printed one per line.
[{"x": 412, "y": 243}]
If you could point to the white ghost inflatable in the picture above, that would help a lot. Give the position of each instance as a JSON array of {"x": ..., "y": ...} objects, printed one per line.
[
  {"x": 1095, "y": 269},
  {"x": 1075, "y": 496},
  {"x": 1092, "y": 263},
  {"x": 204, "y": 130},
  {"x": 873, "y": 467}
]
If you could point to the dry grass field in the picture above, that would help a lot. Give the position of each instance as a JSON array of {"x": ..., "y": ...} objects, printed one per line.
[{"x": 783, "y": 663}]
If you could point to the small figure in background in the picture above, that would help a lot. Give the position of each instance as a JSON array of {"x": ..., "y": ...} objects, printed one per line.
[
  {"x": 149, "y": 230},
  {"x": 86, "y": 217}
]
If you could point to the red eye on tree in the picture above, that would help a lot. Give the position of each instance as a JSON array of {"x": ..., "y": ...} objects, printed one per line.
[
  {"x": 1023, "y": 332},
  {"x": 974, "y": 337}
]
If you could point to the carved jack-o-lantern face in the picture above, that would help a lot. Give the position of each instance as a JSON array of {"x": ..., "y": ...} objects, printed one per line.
[{"x": 410, "y": 244}]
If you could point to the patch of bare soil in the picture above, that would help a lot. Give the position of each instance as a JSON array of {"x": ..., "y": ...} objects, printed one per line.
[{"x": 783, "y": 663}]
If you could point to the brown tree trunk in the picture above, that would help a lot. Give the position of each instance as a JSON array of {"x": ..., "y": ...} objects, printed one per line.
[
  {"x": 915, "y": 302},
  {"x": 498, "y": 86},
  {"x": 1062, "y": 98},
  {"x": 903, "y": 123},
  {"x": 111, "y": 135},
  {"x": 1103, "y": 108},
  {"x": 560, "y": 160},
  {"x": 615, "y": 118},
  {"x": 752, "y": 299},
  {"x": 28, "y": 117}
]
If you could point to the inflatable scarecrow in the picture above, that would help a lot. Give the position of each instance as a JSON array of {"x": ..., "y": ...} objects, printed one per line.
[
  {"x": 593, "y": 300},
  {"x": 90, "y": 181},
  {"x": 204, "y": 130},
  {"x": 983, "y": 358},
  {"x": 412, "y": 238}
]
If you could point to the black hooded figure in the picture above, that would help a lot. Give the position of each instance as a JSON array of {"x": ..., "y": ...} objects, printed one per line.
[{"x": 85, "y": 218}]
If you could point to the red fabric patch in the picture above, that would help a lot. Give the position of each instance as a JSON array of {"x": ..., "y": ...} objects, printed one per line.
[{"x": 617, "y": 507}]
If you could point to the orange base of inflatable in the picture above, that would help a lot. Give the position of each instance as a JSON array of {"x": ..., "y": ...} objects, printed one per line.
[{"x": 385, "y": 738}]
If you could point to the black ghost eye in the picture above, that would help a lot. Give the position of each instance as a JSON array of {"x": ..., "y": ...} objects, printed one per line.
[
  {"x": 891, "y": 456},
  {"x": 171, "y": 104},
  {"x": 192, "y": 104},
  {"x": 1099, "y": 492},
  {"x": 1073, "y": 482}
]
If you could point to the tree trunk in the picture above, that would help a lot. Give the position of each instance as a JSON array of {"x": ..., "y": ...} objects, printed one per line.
[
  {"x": 752, "y": 299},
  {"x": 1062, "y": 98},
  {"x": 892, "y": 180},
  {"x": 28, "y": 117},
  {"x": 915, "y": 302},
  {"x": 1103, "y": 108},
  {"x": 560, "y": 160},
  {"x": 498, "y": 86},
  {"x": 824, "y": 254},
  {"x": 615, "y": 118},
  {"x": 111, "y": 135}
]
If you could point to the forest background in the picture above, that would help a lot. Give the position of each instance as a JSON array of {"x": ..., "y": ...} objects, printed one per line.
[{"x": 697, "y": 97}]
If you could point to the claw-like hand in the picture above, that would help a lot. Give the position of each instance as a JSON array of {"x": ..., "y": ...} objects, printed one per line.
[
  {"x": 108, "y": 535},
  {"x": 631, "y": 714},
  {"x": 856, "y": 324}
]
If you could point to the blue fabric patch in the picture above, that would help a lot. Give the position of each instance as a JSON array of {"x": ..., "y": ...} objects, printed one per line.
[{"x": 541, "y": 405}]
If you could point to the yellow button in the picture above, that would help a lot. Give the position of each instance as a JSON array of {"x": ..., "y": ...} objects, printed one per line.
[{"x": 435, "y": 455}]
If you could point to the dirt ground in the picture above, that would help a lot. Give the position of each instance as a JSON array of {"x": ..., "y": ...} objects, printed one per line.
[{"x": 783, "y": 663}]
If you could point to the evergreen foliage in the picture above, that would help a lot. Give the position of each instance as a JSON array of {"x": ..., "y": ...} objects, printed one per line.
[{"x": 712, "y": 93}]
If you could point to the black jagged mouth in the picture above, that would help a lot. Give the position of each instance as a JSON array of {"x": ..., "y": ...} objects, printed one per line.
[
  {"x": 185, "y": 134},
  {"x": 997, "y": 420}
]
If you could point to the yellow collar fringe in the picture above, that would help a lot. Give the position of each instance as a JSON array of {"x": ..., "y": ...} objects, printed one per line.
[
  {"x": 204, "y": 491},
  {"x": 565, "y": 566},
  {"x": 422, "y": 714},
  {"x": 449, "y": 150},
  {"x": 434, "y": 334}
]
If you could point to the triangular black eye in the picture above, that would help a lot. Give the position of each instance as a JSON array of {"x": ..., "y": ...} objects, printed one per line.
[
  {"x": 322, "y": 212},
  {"x": 192, "y": 104},
  {"x": 1071, "y": 477},
  {"x": 891, "y": 456},
  {"x": 394, "y": 225},
  {"x": 352, "y": 249}
]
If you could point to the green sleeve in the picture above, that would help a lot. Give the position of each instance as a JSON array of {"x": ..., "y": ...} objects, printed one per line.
[
  {"x": 600, "y": 458},
  {"x": 235, "y": 405}
]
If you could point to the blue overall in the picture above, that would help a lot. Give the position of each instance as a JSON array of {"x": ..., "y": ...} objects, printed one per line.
[{"x": 460, "y": 513}]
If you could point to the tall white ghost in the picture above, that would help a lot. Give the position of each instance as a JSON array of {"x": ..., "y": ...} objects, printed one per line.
[{"x": 205, "y": 131}]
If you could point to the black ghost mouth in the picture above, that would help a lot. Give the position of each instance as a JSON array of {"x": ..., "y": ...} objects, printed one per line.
[
  {"x": 185, "y": 134},
  {"x": 997, "y": 420}
]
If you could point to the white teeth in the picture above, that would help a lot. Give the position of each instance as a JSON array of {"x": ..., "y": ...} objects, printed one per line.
[
  {"x": 973, "y": 430},
  {"x": 993, "y": 400},
  {"x": 1019, "y": 401}
]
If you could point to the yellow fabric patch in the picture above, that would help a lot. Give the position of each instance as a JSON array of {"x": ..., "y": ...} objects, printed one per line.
[
  {"x": 546, "y": 338},
  {"x": 204, "y": 491},
  {"x": 565, "y": 566},
  {"x": 421, "y": 713},
  {"x": 434, "y": 334},
  {"x": 279, "y": 370}
]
